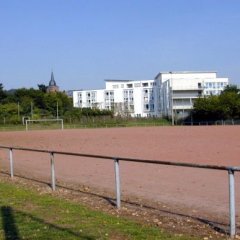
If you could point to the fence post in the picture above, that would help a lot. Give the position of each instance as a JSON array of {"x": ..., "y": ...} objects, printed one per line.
[
  {"x": 232, "y": 213},
  {"x": 117, "y": 181},
  {"x": 11, "y": 162},
  {"x": 53, "y": 171}
]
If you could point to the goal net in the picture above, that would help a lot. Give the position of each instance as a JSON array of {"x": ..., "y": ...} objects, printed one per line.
[{"x": 44, "y": 124}]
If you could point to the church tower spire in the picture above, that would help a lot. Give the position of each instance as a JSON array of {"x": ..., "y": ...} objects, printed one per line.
[{"x": 52, "y": 87}]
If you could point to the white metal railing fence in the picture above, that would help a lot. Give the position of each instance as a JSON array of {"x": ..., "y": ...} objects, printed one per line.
[{"x": 230, "y": 169}]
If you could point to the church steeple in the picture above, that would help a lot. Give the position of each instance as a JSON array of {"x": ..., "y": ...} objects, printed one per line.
[
  {"x": 52, "y": 87},
  {"x": 52, "y": 81}
]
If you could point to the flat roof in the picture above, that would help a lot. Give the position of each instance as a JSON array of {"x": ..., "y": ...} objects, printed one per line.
[
  {"x": 120, "y": 80},
  {"x": 88, "y": 90},
  {"x": 116, "y": 80},
  {"x": 184, "y": 72}
]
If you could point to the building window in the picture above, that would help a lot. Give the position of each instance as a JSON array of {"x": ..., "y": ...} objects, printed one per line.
[
  {"x": 151, "y": 107},
  {"x": 146, "y": 107},
  {"x": 137, "y": 84}
]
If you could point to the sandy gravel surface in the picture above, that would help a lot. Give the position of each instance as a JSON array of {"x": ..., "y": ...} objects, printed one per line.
[{"x": 202, "y": 192}]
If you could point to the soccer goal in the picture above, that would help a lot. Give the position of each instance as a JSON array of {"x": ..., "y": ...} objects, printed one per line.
[{"x": 44, "y": 124}]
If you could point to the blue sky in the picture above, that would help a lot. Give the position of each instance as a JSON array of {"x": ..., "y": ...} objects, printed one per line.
[{"x": 87, "y": 41}]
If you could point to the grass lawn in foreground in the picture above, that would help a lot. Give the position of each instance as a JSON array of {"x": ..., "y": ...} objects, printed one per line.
[{"x": 26, "y": 214}]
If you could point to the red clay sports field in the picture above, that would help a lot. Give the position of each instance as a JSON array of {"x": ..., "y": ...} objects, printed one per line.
[{"x": 197, "y": 191}]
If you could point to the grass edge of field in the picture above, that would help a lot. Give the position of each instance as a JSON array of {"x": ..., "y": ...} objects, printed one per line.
[{"x": 37, "y": 213}]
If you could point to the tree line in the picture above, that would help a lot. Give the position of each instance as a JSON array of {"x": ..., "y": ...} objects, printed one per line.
[
  {"x": 38, "y": 104},
  {"x": 222, "y": 107}
]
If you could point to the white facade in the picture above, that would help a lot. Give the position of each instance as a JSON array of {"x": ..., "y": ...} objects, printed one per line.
[
  {"x": 178, "y": 90},
  {"x": 125, "y": 97},
  {"x": 169, "y": 94},
  {"x": 89, "y": 99}
]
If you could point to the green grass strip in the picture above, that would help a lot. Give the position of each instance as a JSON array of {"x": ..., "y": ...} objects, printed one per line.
[{"x": 26, "y": 214}]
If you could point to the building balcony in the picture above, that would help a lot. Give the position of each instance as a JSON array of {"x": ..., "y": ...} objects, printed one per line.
[
  {"x": 186, "y": 96},
  {"x": 188, "y": 88},
  {"x": 182, "y": 107}
]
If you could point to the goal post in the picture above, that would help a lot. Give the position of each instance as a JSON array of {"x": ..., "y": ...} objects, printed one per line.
[
  {"x": 24, "y": 118},
  {"x": 28, "y": 121}
]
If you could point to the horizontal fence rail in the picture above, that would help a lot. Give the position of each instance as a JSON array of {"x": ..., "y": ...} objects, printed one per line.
[
  {"x": 230, "y": 169},
  {"x": 180, "y": 164}
]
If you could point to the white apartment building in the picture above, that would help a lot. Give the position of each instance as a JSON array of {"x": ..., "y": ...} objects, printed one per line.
[
  {"x": 125, "y": 97},
  {"x": 170, "y": 94},
  {"x": 178, "y": 90}
]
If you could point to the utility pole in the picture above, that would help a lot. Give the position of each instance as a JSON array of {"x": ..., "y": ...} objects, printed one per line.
[
  {"x": 57, "y": 109},
  {"x": 18, "y": 111},
  {"x": 172, "y": 111},
  {"x": 32, "y": 110}
]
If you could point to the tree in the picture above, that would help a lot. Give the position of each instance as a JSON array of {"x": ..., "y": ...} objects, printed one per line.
[
  {"x": 224, "y": 106},
  {"x": 3, "y": 94},
  {"x": 42, "y": 87},
  {"x": 230, "y": 101},
  {"x": 231, "y": 88},
  {"x": 9, "y": 113},
  {"x": 207, "y": 109}
]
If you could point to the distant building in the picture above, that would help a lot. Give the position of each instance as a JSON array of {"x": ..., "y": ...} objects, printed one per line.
[
  {"x": 170, "y": 94},
  {"x": 124, "y": 97},
  {"x": 52, "y": 86},
  {"x": 69, "y": 93},
  {"x": 179, "y": 90}
]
